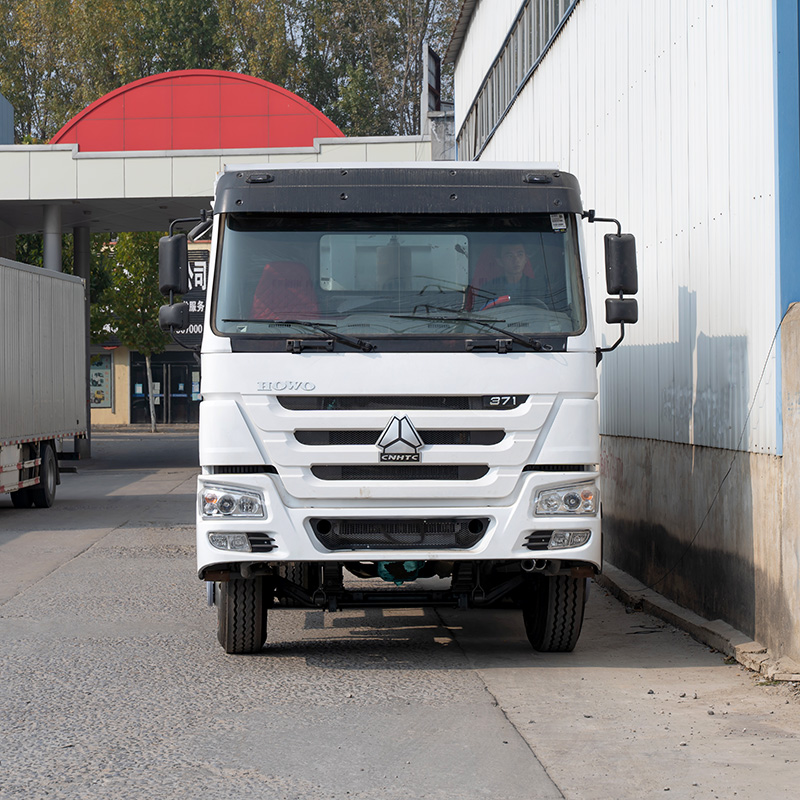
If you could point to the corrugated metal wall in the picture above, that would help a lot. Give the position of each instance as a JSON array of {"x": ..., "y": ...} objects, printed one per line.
[
  {"x": 42, "y": 353},
  {"x": 664, "y": 111},
  {"x": 492, "y": 20}
]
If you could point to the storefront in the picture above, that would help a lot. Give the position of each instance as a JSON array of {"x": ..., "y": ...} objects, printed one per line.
[{"x": 176, "y": 388}]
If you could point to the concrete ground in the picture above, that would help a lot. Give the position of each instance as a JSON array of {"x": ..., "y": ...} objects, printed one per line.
[{"x": 113, "y": 684}]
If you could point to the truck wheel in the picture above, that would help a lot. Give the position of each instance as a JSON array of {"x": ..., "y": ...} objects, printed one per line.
[
  {"x": 298, "y": 572},
  {"x": 241, "y": 615},
  {"x": 44, "y": 492},
  {"x": 552, "y": 609},
  {"x": 22, "y": 498}
]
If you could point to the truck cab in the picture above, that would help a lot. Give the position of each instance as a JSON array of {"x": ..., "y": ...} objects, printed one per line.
[{"x": 399, "y": 393}]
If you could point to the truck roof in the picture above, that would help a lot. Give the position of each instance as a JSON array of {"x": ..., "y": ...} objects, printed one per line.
[
  {"x": 460, "y": 165},
  {"x": 440, "y": 187}
]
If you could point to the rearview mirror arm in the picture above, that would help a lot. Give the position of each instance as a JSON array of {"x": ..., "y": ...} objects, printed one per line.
[{"x": 590, "y": 216}]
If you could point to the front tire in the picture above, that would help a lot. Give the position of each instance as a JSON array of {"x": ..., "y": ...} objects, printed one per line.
[
  {"x": 299, "y": 573},
  {"x": 22, "y": 498},
  {"x": 241, "y": 615},
  {"x": 44, "y": 493},
  {"x": 552, "y": 610}
]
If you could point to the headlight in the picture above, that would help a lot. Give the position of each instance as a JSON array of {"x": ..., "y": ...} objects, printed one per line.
[
  {"x": 225, "y": 501},
  {"x": 581, "y": 498}
]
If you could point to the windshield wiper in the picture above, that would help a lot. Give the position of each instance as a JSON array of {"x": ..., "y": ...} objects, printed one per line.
[
  {"x": 534, "y": 344},
  {"x": 359, "y": 344}
]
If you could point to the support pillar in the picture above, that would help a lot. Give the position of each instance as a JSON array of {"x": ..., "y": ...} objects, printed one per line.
[
  {"x": 52, "y": 237},
  {"x": 82, "y": 259}
]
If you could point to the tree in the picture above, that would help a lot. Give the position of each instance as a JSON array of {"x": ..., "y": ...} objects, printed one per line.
[
  {"x": 361, "y": 63},
  {"x": 34, "y": 71},
  {"x": 129, "y": 307},
  {"x": 253, "y": 34},
  {"x": 358, "y": 62},
  {"x": 30, "y": 250}
]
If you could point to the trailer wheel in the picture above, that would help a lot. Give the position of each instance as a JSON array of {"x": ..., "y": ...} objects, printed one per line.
[
  {"x": 241, "y": 615},
  {"x": 44, "y": 492},
  {"x": 552, "y": 609},
  {"x": 22, "y": 498}
]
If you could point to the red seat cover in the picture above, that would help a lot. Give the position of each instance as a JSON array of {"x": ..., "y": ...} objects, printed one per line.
[{"x": 284, "y": 291}]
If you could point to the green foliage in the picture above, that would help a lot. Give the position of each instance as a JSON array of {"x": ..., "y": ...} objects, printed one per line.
[
  {"x": 30, "y": 250},
  {"x": 129, "y": 306},
  {"x": 358, "y": 62},
  {"x": 34, "y": 58}
]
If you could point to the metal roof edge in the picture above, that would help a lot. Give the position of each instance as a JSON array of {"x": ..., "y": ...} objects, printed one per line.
[
  {"x": 319, "y": 143},
  {"x": 459, "y": 30}
]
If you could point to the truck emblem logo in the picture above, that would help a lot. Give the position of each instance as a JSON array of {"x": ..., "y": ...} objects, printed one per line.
[
  {"x": 399, "y": 441},
  {"x": 285, "y": 386}
]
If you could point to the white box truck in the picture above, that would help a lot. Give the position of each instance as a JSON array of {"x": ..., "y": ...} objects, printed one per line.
[
  {"x": 42, "y": 378},
  {"x": 399, "y": 392}
]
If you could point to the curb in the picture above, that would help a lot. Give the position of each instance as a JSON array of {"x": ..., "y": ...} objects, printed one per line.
[{"x": 714, "y": 633}]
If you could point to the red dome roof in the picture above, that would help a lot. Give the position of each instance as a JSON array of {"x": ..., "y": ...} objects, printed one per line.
[{"x": 196, "y": 109}]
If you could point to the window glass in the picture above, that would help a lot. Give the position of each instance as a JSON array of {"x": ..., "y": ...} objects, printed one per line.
[{"x": 384, "y": 276}]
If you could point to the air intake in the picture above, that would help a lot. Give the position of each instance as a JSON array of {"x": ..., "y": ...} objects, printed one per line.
[{"x": 399, "y": 534}]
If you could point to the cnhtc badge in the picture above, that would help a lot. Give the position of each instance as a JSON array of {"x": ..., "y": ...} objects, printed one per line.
[{"x": 399, "y": 441}]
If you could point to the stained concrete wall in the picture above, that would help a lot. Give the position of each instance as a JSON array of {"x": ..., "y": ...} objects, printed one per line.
[
  {"x": 717, "y": 531},
  {"x": 789, "y": 539}
]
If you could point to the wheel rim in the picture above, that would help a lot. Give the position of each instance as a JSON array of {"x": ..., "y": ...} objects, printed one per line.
[{"x": 50, "y": 473}]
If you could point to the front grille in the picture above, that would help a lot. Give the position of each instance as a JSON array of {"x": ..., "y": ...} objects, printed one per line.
[
  {"x": 261, "y": 543},
  {"x": 538, "y": 540},
  {"x": 393, "y": 403},
  {"x": 399, "y": 472},
  {"x": 366, "y": 534},
  {"x": 344, "y": 437}
]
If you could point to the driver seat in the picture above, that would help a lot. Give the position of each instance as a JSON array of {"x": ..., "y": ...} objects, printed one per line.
[
  {"x": 487, "y": 269},
  {"x": 284, "y": 291}
]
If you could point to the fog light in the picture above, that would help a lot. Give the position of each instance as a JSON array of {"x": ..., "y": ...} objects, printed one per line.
[
  {"x": 230, "y": 541},
  {"x": 558, "y": 540},
  {"x": 561, "y": 540}
]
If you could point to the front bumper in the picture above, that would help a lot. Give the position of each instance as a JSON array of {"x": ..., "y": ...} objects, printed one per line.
[{"x": 290, "y": 532}]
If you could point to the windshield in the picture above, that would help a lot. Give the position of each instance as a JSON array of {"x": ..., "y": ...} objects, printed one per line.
[{"x": 376, "y": 277}]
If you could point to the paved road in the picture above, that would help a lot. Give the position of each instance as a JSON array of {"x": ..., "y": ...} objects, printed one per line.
[{"x": 113, "y": 685}]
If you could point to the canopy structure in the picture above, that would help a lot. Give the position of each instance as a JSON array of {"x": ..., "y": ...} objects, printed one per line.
[
  {"x": 148, "y": 153},
  {"x": 196, "y": 110}
]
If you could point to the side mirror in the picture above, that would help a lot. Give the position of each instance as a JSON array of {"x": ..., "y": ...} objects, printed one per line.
[
  {"x": 173, "y": 264},
  {"x": 619, "y": 310},
  {"x": 621, "y": 274},
  {"x": 175, "y": 317}
]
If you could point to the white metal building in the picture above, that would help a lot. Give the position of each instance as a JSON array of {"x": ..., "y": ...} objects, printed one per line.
[{"x": 680, "y": 118}]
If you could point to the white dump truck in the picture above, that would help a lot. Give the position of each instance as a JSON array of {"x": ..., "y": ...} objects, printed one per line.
[
  {"x": 42, "y": 378},
  {"x": 399, "y": 392}
]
